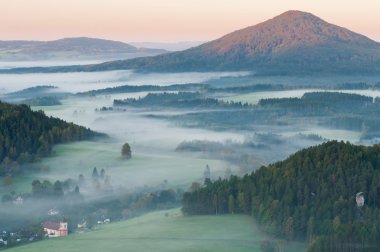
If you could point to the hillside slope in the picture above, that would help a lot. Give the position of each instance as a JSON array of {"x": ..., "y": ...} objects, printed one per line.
[
  {"x": 308, "y": 197},
  {"x": 27, "y": 135},
  {"x": 166, "y": 231},
  {"x": 293, "y": 42}
]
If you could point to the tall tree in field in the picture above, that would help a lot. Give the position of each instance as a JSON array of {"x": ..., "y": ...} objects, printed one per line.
[
  {"x": 289, "y": 229},
  {"x": 95, "y": 174},
  {"x": 102, "y": 173},
  {"x": 126, "y": 151},
  {"x": 58, "y": 190},
  {"x": 231, "y": 204},
  {"x": 81, "y": 180}
]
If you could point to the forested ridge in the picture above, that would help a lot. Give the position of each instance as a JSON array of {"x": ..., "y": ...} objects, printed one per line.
[
  {"x": 308, "y": 197},
  {"x": 26, "y": 135},
  {"x": 331, "y": 109}
]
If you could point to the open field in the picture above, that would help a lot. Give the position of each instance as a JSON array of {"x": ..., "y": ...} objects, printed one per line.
[
  {"x": 143, "y": 169},
  {"x": 158, "y": 232}
]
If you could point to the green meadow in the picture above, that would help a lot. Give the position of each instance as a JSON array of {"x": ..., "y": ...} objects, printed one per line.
[
  {"x": 143, "y": 169},
  {"x": 166, "y": 231}
]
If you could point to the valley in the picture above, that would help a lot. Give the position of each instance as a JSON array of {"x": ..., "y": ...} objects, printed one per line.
[{"x": 264, "y": 139}]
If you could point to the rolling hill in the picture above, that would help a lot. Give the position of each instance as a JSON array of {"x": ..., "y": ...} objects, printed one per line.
[
  {"x": 69, "y": 48},
  {"x": 294, "y": 42}
]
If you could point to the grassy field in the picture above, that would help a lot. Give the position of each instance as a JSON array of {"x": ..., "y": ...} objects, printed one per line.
[
  {"x": 143, "y": 169},
  {"x": 73, "y": 159},
  {"x": 158, "y": 232}
]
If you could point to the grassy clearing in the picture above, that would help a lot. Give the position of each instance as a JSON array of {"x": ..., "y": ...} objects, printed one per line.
[
  {"x": 157, "y": 232},
  {"x": 143, "y": 169}
]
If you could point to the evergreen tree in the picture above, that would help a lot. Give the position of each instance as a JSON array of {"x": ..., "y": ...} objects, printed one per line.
[
  {"x": 102, "y": 173},
  {"x": 308, "y": 197},
  {"x": 95, "y": 174},
  {"x": 126, "y": 151},
  {"x": 231, "y": 204},
  {"x": 58, "y": 190}
]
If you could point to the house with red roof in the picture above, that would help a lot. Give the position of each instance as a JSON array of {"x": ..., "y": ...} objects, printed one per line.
[{"x": 55, "y": 229}]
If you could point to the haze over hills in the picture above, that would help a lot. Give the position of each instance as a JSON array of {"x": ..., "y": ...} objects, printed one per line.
[
  {"x": 294, "y": 42},
  {"x": 169, "y": 46},
  {"x": 69, "y": 47}
]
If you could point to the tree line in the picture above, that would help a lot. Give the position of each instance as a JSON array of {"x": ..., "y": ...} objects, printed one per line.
[
  {"x": 27, "y": 135},
  {"x": 309, "y": 197}
]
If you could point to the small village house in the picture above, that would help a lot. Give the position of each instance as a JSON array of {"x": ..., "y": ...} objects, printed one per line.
[{"x": 55, "y": 229}]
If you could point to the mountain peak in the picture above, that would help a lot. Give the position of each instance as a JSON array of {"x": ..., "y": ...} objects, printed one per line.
[
  {"x": 290, "y": 29},
  {"x": 296, "y": 13},
  {"x": 292, "y": 42},
  {"x": 293, "y": 16}
]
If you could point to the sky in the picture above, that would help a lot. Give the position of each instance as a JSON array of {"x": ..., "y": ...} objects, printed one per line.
[{"x": 168, "y": 20}]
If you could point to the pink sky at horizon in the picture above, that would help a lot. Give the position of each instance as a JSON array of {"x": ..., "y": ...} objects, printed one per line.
[{"x": 168, "y": 20}]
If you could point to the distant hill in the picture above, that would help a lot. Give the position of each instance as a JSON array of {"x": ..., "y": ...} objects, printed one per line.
[
  {"x": 294, "y": 42},
  {"x": 36, "y": 96},
  {"x": 169, "y": 46},
  {"x": 37, "y": 91},
  {"x": 69, "y": 48}
]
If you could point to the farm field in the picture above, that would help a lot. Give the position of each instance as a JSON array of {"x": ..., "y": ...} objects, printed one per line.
[{"x": 166, "y": 231}]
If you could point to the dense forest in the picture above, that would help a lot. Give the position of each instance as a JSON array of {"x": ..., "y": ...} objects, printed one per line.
[
  {"x": 309, "y": 197},
  {"x": 189, "y": 100},
  {"x": 42, "y": 101},
  {"x": 205, "y": 88},
  {"x": 328, "y": 109},
  {"x": 27, "y": 135}
]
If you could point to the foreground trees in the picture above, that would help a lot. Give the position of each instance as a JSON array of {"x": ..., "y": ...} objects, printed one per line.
[
  {"x": 27, "y": 135},
  {"x": 309, "y": 197}
]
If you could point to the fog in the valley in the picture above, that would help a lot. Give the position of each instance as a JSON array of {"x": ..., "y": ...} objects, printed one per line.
[
  {"x": 163, "y": 153},
  {"x": 46, "y": 63},
  {"x": 254, "y": 98},
  {"x": 301, "y": 80},
  {"x": 153, "y": 144},
  {"x": 83, "y": 81}
]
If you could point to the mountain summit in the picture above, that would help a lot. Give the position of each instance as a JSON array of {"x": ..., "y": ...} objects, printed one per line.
[
  {"x": 291, "y": 29},
  {"x": 294, "y": 42}
]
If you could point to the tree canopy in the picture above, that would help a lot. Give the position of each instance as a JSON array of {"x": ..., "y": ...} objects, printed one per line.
[
  {"x": 308, "y": 197},
  {"x": 126, "y": 151},
  {"x": 26, "y": 135}
]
